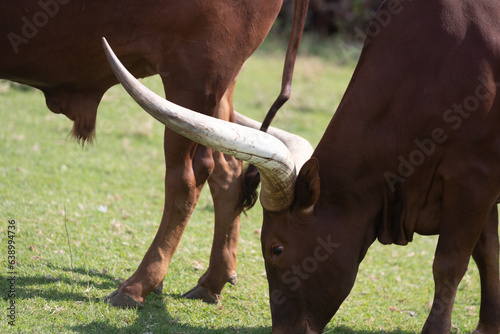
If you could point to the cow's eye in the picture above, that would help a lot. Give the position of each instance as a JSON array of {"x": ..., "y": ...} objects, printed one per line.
[{"x": 277, "y": 250}]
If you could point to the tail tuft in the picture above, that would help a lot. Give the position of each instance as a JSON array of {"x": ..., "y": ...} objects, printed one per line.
[{"x": 249, "y": 194}]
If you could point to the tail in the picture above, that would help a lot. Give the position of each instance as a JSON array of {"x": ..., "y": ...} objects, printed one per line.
[
  {"x": 249, "y": 194},
  {"x": 251, "y": 177},
  {"x": 298, "y": 23}
]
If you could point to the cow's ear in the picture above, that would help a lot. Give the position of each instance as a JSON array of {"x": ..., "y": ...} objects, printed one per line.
[{"x": 307, "y": 187}]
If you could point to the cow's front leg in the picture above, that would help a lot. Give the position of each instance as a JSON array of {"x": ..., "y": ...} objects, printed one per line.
[
  {"x": 486, "y": 257},
  {"x": 463, "y": 221},
  {"x": 188, "y": 167}
]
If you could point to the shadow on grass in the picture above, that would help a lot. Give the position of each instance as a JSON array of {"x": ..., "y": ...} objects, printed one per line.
[
  {"x": 163, "y": 323},
  {"x": 155, "y": 307},
  {"x": 36, "y": 285},
  {"x": 347, "y": 330}
]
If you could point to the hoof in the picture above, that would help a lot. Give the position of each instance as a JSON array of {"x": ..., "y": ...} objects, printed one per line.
[
  {"x": 232, "y": 280},
  {"x": 199, "y": 292},
  {"x": 159, "y": 289},
  {"x": 485, "y": 330},
  {"x": 119, "y": 299}
]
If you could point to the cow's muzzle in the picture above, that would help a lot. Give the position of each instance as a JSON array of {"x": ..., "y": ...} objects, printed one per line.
[{"x": 304, "y": 328}]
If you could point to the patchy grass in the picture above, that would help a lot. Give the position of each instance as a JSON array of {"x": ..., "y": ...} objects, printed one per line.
[{"x": 109, "y": 196}]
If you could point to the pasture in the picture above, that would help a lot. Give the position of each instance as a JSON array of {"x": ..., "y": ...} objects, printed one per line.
[{"x": 84, "y": 218}]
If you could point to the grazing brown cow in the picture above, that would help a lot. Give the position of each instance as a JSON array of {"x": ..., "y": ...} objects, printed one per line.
[
  {"x": 414, "y": 147},
  {"x": 198, "y": 48}
]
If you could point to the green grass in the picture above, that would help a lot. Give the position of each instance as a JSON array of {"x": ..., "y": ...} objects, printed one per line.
[{"x": 48, "y": 181}]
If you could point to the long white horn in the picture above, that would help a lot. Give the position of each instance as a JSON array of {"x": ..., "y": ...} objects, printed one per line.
[{"x": 271, "y": 157}]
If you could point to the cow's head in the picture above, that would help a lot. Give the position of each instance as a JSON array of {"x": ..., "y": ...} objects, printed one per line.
[
  {"x": 302, "y": 259},
  {"x": 310, "y": 270}
]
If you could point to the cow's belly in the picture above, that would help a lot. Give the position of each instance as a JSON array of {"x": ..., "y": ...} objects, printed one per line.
[{"x": 430, "y": 211}]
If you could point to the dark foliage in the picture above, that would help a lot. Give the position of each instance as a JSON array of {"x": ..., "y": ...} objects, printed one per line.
[{"x": 328, "y": 17}]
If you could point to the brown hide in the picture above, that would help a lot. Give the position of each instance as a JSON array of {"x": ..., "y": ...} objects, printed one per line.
[
  {"x": 198, "y": 48},
  {"x": 414, "y": 147},
  {"x": 54, "y": 45}
]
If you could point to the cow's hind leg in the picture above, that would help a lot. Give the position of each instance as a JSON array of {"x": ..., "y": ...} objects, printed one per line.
[
  {"x": 188, "y": 167},
  {"x": 225, "y": 187},
  {"x": 223, "y": 257},
  {"x": 464, "y": 217},
  {"x": 486, "y": 256}
]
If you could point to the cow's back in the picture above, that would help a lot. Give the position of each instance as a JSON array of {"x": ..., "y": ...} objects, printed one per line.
[
  {"x": 55, "y": 45},
  {"x": 60, "y": 41}
]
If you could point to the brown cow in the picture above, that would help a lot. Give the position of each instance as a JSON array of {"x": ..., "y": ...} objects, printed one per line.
[
  {"x": 414, "y": 147},
  {"x": 198, "y": 48}
]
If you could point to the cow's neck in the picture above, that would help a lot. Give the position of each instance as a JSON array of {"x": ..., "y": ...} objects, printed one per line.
[
  {"x": 353, "y": 187},
  {"x": 349, "y": 194}
]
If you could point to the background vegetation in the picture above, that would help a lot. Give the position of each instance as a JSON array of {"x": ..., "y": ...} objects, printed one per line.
[
  {"x": 109, "y": 197},
  {"x": 332, "y": 17}
]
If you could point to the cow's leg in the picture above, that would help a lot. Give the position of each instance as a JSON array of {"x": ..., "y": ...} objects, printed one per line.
[
  {"x": 225, "y": 187},
  {"x": 188, "y": 167},
  {"x": 462, "y": 223},
  {"x": 486, "y": 256}
]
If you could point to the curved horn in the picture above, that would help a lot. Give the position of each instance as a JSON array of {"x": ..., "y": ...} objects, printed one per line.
[
  {"x": 271, "y": 157},
  {"x": 300, "y": 148}
]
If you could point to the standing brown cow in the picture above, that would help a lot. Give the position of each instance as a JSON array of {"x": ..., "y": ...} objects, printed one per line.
[{"x": 198, "y": 48}]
